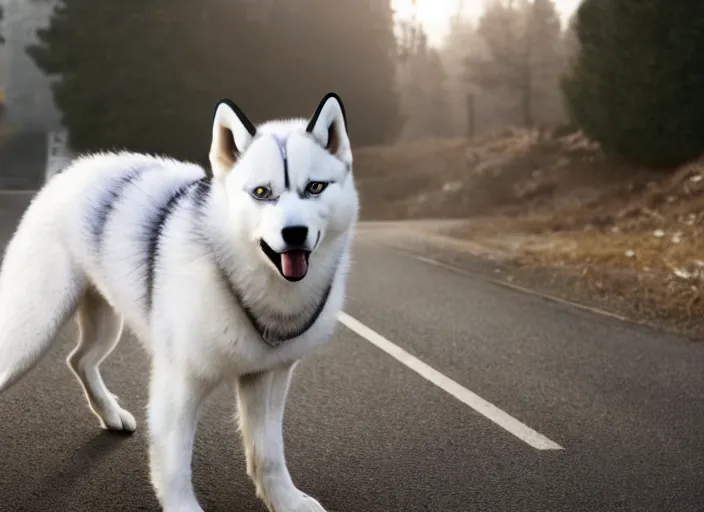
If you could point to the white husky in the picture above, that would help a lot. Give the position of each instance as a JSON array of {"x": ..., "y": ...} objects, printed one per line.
[{"x": 225, "y": 279}]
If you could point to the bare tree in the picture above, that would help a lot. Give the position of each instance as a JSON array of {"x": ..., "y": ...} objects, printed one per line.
[
  {"x": 522, "y": 54},
  {"x": 462, "y": 40},
  {"x": 421, "y": 84}
]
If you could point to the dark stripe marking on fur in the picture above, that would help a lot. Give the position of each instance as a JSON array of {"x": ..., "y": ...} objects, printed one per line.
[
  {"x": 281, "y": 143},
  {"x": 201, "y": 193},
  {"x": 107, "y": 205},
  {"x": 157, "y": 231}
]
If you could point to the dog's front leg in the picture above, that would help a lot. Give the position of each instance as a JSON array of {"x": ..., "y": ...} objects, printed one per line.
[
  {"x": 174, "y": 402},
  {"x": 261, "y": 399}
]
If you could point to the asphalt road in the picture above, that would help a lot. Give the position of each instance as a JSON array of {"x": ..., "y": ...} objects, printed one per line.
[{"x": 365, "y": 433}]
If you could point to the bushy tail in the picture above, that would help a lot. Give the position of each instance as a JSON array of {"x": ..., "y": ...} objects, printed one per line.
[{"x": 40, "y": 286}]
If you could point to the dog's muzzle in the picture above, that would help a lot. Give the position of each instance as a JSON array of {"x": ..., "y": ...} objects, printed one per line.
[{"x": 292, "y": 263}]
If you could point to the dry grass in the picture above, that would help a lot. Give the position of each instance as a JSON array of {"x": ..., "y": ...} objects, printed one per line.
[
  {"x": 558, "y": 203},
  {"x": 661, "y": 277},
  {"x": 456, "y": 178}
]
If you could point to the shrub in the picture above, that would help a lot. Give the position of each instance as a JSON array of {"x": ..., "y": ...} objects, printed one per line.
[{"x": 636, "y": 83}]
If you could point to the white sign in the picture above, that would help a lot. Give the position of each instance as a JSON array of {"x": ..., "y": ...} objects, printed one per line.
[{"x": 58, "y": 154}]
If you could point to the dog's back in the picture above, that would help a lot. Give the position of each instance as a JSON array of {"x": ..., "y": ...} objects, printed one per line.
[{"x": 90, "y": 226}]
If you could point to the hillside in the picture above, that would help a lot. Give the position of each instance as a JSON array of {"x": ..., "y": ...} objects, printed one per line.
[{"x": 557, "y": 206}]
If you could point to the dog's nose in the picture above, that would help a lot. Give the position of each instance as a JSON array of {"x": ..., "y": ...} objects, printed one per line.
[{"x": 294, "y": 235}]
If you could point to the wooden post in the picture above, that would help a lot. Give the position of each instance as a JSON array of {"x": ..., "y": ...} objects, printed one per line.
[{"x": 470, "y": 115}]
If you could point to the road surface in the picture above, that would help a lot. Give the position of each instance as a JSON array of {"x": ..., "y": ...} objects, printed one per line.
[{"x": 449, "y": 394}]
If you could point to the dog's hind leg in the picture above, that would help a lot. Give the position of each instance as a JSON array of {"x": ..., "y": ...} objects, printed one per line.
[
  {"x": 100, "y": 329},
  {"x": 40, "y": 286}
]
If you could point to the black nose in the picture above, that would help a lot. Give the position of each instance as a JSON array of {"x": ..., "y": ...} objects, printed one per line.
[{"x": 294, "y": 235}]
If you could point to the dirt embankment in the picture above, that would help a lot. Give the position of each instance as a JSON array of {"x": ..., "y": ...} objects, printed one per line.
[{"x": 559, "y": 207}]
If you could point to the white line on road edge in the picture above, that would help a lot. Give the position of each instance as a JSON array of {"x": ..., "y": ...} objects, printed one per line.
[
  {"x": 513, "y": 286},
  {"x": 488, "y": 410}
]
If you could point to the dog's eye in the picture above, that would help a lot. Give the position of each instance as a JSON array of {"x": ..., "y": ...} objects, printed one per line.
[
  {"x": 261, "y": 192},
  {"x": 316, "y": 187}
]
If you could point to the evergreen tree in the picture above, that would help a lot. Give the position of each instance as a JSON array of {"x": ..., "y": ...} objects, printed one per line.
[
  {"x": 474, "y": 109},
  {"x": 569, "y": 40},
  {"x": 436, "y": 99},
  {"x": 422, "y": 85},
  {"x": 2, "y": 41},
  {"x": 522, "y": 53},
  {"x": 140, "y": 74},
  {"x": 144, "y": 75},
  {"x": 305, "y": 49},
  {"x": 545, "y": 62},
  {"x": 636, "y": 82}
]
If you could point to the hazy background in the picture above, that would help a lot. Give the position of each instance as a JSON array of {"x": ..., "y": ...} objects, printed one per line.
[{"x": 144, "y": 75}]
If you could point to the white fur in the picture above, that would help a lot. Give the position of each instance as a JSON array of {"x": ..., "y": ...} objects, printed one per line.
[{"x": 73, "y": 256}]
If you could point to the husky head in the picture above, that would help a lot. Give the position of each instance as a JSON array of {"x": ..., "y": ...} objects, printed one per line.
[{"x": 288, "y": 183}]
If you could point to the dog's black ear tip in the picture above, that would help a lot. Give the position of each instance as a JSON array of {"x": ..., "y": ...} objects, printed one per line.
[
  {"x": 224, "y": 101},
  {"x": 332, "y": 95},
  {"x": 219, "y": 103},
  {"x": 238, "y": 112}
]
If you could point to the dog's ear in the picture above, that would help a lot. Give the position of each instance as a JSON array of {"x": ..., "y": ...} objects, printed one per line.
[
  {"x": 329, "y": 127},
  {"x": 232, "y": 134}
]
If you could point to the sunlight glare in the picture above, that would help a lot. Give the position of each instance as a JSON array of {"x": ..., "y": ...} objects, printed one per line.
[{"x": 435, "y": 15}]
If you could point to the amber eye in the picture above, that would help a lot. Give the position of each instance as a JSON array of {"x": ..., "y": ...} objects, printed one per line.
[
  {"x": 261, "y": 192},
  {"x": 316, "y": 187}
]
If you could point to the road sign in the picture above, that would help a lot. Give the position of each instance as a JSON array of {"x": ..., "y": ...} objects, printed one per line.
[{"x": 58, "y": 153}]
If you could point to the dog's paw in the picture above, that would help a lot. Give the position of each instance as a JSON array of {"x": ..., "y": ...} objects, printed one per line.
[
  {"x": 300, "y": 502},
  {"x": 118, "y": 419},
  {"x": 183, "y": 508}
]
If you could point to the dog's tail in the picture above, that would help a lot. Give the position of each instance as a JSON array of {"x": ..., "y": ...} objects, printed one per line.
[{"x": 40, "y": 286}]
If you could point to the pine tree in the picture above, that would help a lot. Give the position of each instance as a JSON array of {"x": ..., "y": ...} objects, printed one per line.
[
  {"x": 522, "y": 54},
  {"x": 2, "y": 41},
  {"x": 545, "y": 61},
  {"x": 422, "y": 85},
  {"x": 636, "y": 82},
  {"x": 144, "y": 75},
  {"x": 312, "y": 47},
  {"x": 141, "y": 75}
]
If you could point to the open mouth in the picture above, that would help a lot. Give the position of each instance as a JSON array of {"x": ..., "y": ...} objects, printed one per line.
[{"x": 291, "y": 264}]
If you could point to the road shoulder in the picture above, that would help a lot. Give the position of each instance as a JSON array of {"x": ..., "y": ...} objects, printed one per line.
[{"x": 435, "y": 242}]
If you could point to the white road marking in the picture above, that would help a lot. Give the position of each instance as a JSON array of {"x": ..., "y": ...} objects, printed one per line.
[
  {"x": 488, "y": 410},
  {"x": 512, "y": 286}
]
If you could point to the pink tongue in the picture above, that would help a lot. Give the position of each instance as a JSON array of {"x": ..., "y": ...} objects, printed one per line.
[{"x": 294, "y": 264}]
